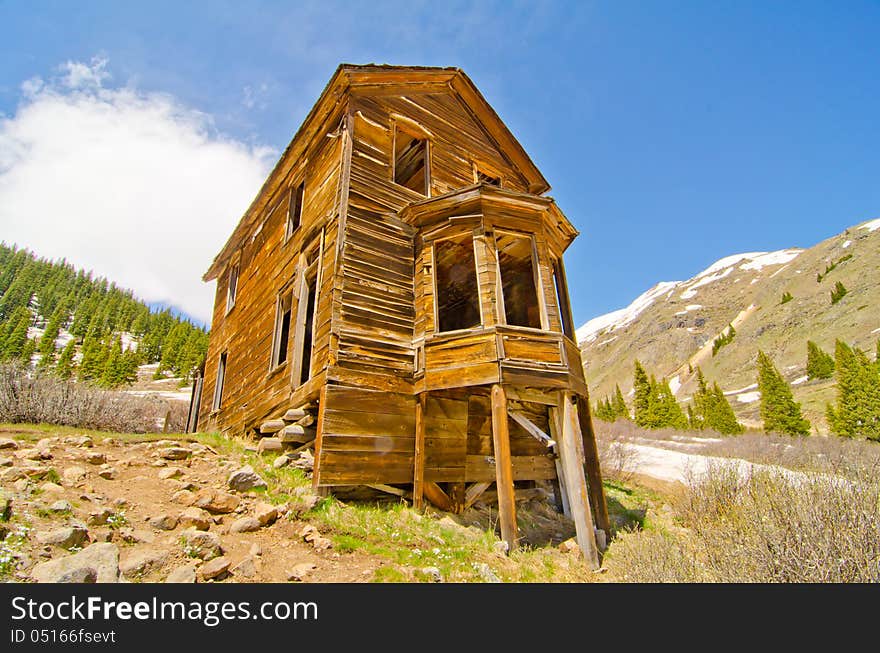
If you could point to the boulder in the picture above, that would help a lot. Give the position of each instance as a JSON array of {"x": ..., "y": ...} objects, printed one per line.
[
  {"x": 95, "y": 458},
  {"x": 193, "y": 517},
  {"x": 245, "y": 479},
  {"x": 7, "y": 443},
  {"x": 266, "y": 513},
  {"x": 66, "y": 537},
  {"x": 107, "y": 472},
  {"x": 73, "y": 475},
  {"x": 216, "y": 501},
  {"x": 51, "y": 488},
  {"x": 183, "y": 574},
  {"x": 300, "y": 570},
  {"x": 163, "y": 522},
  {"x": 201, "y": 544},
  {"x": 170, "y": 472},
  {"x": 62, "y": 505},
  {"x": 143, "y": 562},
  {"x": 245, "y": 525},
  {"x": 175, "y": 453},
  {"x": 215, "y": 569},
  {"x": 280, "y": 461},
  {"x": 11, "y": 474},
  {"x": 246, "y": 568},
  {"x": 100, "y": 559},
  {"x": 184, "y": 497},
  {"x": 6, "y": 462}
]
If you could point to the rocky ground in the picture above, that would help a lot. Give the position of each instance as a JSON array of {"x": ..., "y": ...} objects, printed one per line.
[{"x": 79, "y": 509}]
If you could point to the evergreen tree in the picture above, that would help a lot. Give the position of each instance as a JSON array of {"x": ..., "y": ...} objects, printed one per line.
[
  {"x": 17, "y": 338},
  {"x": 94, "y": 356},
  {"x": 724, "y": 339},
  {"x": 27, "y": 353},
  {"x": 64, "y": 368},
  {"x": 721, "y": 417},
  {"x": 643, "y": 397},
  {"x": 667, "y": 412},
  {"x": 819, "y": 364},
  {"x": 618, "y": 405},
  {"x": 786, "y": 297},
  {"x": 604, "y": 411},
  {"x": 780, "y": 412},
  {"x": 838, "y": 293},
  {"x": 857, "y": 413}
]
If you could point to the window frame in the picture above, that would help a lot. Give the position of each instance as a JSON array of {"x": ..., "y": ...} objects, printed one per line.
[
  {"x": 220, "y": 381},
  {"x": 536, "y": 279},
  {"x": 296, "y": 198},
  {"x": 232, "y": 287},
  {"x": 286, "y": 293},
  {"x": 434, "y": 267},
  {"x": 415, "y": 133}
]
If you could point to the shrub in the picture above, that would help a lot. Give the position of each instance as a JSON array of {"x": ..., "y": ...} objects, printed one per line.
[{"x": 31, "y": 397}]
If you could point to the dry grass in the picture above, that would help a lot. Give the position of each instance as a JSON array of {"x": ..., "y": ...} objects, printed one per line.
[
  {"x": 771, "y": 526},
  {"x": 28, "y": 397}
]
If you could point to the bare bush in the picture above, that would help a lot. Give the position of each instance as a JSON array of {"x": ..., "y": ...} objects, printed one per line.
[
  {"x": 616, "y": 460},
  {"x": 34, "y": 398},
  {"x": 769, "y": 526}
]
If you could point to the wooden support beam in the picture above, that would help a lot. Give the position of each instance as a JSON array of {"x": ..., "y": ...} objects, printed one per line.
[
  {"x": 319, "y": 436},
  {"x": 531, "y": 428},
  {"x": 503, "y": 467},
  {"x": 419, "y": 458},
  {"x": 474, "y": 492},
  {"x": 591, "y": 467},
  {"x": 437, "y": 496},
  {"x": 559, "y": 487},
  {"x": 389, "y": 489},
  {"x": 576, "y": 483}
]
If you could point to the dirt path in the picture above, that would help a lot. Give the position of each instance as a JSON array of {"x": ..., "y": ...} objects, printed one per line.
[{"x": 156, "y": 503}]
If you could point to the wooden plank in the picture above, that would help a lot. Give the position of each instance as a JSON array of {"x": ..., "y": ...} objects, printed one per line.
[
  {"x": 437, "y": 496},
  {"x": 525, "y": 468},
  {"x": 390, "y": 490},
  {"x": 531, "y": 428},
  {"x": 591, "y": 466},
  {"x": 576, "y": 484},
  {"x": 503, "y": 469},
  {"x": 474, "y": 491},
  {"x": 559, "y": 486},
  {"x": 272, "y": 426},
  {"x": 419, "y": 460},
  {"x": 319, "y": 433},
  {"x": 456, "y": 491}
]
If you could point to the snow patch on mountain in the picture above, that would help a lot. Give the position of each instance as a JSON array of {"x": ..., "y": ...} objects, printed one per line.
[
  {"x": 621, "y": 317},
  {"x": 871, "y": 225}
]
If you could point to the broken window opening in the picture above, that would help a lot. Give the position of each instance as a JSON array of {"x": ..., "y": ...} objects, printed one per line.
[
  {"x": 561, "y": 287},
  {"x": 306, "y": 365},
  {"x": 218, "y": 387},
  {"x": 294, "y": 209},
  {"x": 281, "y": 336},
  {"x": 517, "y": 270},
  {"x": 484, "y": 178},
  {"x": 232, "y": 287},
  {"x": 411, "y": 161},
  {"x": 458, "y": 299}
]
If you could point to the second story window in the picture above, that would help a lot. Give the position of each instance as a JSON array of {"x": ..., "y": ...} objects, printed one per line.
[
  {"x": 518, "y": 281},
  {"x": 281, "y": 337},
  {"x": 410, "y": 161},
  {"x": 457, "y": 294},
  {"x": 232, "y": 286},
  {"x": 294, "y": 210}
]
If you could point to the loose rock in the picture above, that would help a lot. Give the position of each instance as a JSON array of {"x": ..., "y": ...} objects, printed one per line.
[
  {"x": 73, "y": 475},
  {"x": 216, "y": 501},
  {"x": 201, "y": 544},
  {"x": 102, "y": 559},
  {"x": 245, "y": 525},
  {"x": 170, "y": 472},
  {"x": 195, "y": 518},
  {"x": 215, "y": 569},
  {"x": 143, "y": 562},
  {"x": 66, "y": 537},
  {"x": 107, "y": 472},
  {"x": 266, "y": 514},
  {"x": 6, "y": 443},
  {"x": 183, "y": 574},
  {"x": 62, "y": 505},
  {"x": 300, "y": 570},
  {"x": 164, "y": 522},
  {"x": 175, "y": 453},
  {"x": 245, "y": 479},
  {"x": 95, "y": 458},
  {"x": 246, "y": 568}
]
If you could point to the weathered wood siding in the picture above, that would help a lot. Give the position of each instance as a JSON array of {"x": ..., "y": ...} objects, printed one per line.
[{"x": 268, "y": 264}]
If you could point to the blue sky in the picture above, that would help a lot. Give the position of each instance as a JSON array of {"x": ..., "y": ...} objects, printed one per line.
[{"x": 673, "y": 133}]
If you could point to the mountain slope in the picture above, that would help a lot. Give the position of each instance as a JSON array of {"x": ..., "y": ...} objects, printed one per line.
[{"x": 673, "y": 325}]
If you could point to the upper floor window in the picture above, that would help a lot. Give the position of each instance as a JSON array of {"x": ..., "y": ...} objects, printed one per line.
[
  {"x": 294, "y": 209},
  {"x": 518, "y": 280},
  {"x": 411, "y": 161},
  {"x": 232, "y": 286},
  {"x": 457, "y": 291},
  {"x": 281, "y": 337}
]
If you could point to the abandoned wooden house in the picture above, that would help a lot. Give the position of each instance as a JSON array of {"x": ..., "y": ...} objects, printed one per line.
[{"x": 395, "y": 299}]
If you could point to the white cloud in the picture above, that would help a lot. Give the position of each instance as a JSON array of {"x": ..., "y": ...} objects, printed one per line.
[{"x": 133, "y": 185}]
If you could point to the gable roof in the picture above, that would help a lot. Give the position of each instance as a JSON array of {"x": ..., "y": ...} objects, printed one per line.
[{"x": 382, "y": 77}]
